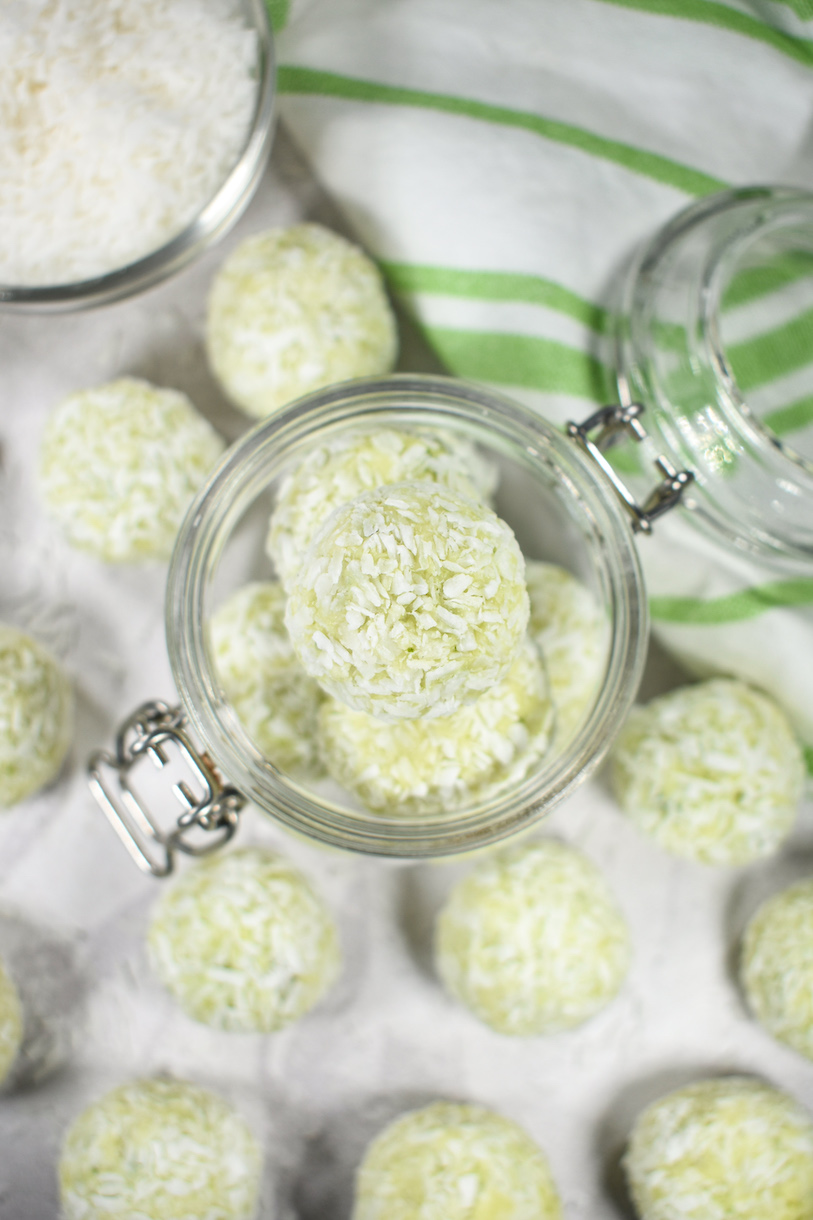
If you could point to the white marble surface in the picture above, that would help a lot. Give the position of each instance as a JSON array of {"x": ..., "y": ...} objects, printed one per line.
[{"x": 387, "y": 1037}]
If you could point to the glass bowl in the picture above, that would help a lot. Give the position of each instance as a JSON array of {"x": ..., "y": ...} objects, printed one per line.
[
  {"x": 561, "y": 509},
  {"x": 216, "y": 217}
]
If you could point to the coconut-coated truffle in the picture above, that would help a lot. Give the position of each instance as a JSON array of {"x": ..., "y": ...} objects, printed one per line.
[
  {"x": 532, "y": 940},
  {"x": 120, "y": 464},
  {"x": 295, "y": 309},
  {"x": 274, "y": 698},
  {"x": 776, "y": 966},
  {"x": 571, "y": 631},
  {"x": 243, "y": 943},
  {"x": 162, "y": 1150},
  {"x": 711, "y": 772},
  {"x": 36, "y": 716},
  {"x": 452, "y": 1161},
  {"x": 410, "y": 602},
  {"x": 449, "y": 763},
  {"x": 732, "y": 1148},
  {"x": 11, "y": 1025},
  {"x": 340, "y": 469}
]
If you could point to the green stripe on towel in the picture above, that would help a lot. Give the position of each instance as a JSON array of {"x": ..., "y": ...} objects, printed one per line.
[
  {"x": 298, "y": 80},
  {"x": 765, "y": 357},
  {"x": 792, "y": 418},
  {"x": 512, "y": 286},
  {"x": 735, "y": 607},
  {"x": 710, "y": 13},
  {"x": 521, "y": 360}
]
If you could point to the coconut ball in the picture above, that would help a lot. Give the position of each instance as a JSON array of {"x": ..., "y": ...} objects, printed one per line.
[
  {"x": 341, "y": 469},
  {"x": 532, "y": 940},
  {"x": 243, "y": 943},
  {"x": 120, "y": 464},
  {"x": 274, "y": 698},
  {"x": 410, "y": 602},
  {"x": 160, "y": 1149},
  {"x": 776, "y": 967},
  {"x": 36, "y": 716},
  {"x": 437, "y": 766},
  {"x": 711, "y": 772},
  {"x": 295, "y": 309},
  {"x": 571, "y": 631},
  {"x": 732, "y": 1148},
  {"x": 451, "y": 1161},
  {"x": 11, "y": 1025}
]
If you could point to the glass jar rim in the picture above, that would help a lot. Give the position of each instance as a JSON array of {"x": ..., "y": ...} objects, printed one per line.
[
  {"x": 214, "y": 220},
  {"x": 235, "y": 484}
]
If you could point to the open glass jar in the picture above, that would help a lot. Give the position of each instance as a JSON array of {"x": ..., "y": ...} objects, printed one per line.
[{"x": 561, "y": 510}]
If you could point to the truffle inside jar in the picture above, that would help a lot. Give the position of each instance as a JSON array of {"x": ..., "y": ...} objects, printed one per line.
[{"x": 411, "y": 602}]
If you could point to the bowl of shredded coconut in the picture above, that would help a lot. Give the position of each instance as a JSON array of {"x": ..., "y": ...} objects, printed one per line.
[{"x": 132, "y": 136}]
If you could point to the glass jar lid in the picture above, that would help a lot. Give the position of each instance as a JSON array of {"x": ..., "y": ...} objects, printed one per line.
[{"x": 715, "y": 339}]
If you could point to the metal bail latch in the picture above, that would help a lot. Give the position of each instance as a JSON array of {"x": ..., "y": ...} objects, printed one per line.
[
  {"x": 611, "y": 423},
  {"x": 211, "y": 808}
]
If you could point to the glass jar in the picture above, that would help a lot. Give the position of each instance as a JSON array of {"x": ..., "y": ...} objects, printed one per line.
[
  {"x": 561, "y": 511},
  {"x": 715, "y": 339}
]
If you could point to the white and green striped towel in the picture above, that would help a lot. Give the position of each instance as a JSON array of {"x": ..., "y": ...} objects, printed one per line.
[{"x": 503, "y": 158}]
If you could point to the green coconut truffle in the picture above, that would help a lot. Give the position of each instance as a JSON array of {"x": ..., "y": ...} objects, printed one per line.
[
  {"x": 437, "y": 766},
  {"x": 410, "y": 602},
  {"x": 776, "y": 966},
  {"x": 11, "y": 1025},
  {"x": 272, "y": 695},
  {"x": 295, "y": 309},
  {"x": 571, "y": 631},
  {"x": 120, "y": 465},
  {"x": 732, "y": 1148},
  {"x": 711, "y": 772},
  {"x": 336, "y": 472},
  {"x": 532, "y": 940},
  {"x": 451, "y": 1161},
  {"x": 162, "y": 1150},
  {"x": 243, "y": 943},
  {"x": 36, "y": 716}
]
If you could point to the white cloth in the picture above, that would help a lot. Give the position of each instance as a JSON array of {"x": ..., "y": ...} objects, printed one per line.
[{"x": 504, "y": 158}]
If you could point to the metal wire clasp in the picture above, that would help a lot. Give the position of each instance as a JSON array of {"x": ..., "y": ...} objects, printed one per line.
[
  {"x": 157, "y": 731},
  {"x": 610, "y": 423}
]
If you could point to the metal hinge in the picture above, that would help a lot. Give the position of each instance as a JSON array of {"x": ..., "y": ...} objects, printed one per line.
[
  {"x": 211, "y": 807},
  {"x": 611, "y": 423}
]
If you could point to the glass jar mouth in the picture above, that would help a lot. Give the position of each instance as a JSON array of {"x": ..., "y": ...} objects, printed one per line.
[
  {"x": 215, "y": 219},
  {"x": 714, "y": 268},
  {"x": 505, "y": 428}
]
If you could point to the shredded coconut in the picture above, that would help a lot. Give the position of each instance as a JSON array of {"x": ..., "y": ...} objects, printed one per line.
[
  {"x": 160, "y": 1150},
  {"x": 120, "y": 119},
  {"x": 776, "y": 968},
  {"x": 11, "y": 1025},
  {"x": 411, "y": 602},
  {"x": 272, "y": 695},
  {"x": 571, "y": 631},
  {"x": 532, "y": 941},
  {"x": 733, "y": 1148},
  {"x": 451, "y": 1161},
  {"x": 443, "y": 764},
  {"x": 710, "y": 771},
  {"x": 120, "y": 464},
  {"x": 243, "y": 943},
  {"x": 338, "y": 471},
  {"x": 295, "y": 309},
  {"x": 36, "y": 716}
]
